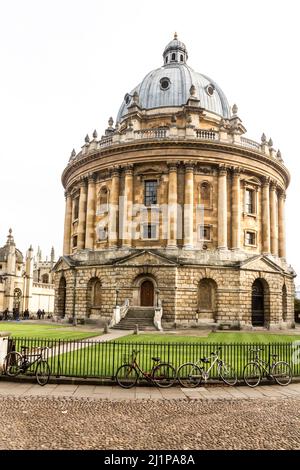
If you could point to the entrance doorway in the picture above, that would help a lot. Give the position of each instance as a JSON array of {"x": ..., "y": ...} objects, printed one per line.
[
  {"x": 147, "y": 294},
  {"x": 258, "y": 311}
]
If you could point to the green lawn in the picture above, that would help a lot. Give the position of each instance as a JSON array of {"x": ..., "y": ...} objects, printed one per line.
[
  {"x": 219, "y": 337},
  {"x": 45, "y": 331}
]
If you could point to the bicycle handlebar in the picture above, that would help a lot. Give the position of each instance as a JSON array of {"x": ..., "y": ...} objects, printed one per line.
[
  {"x": 214, "y": 353},
  {"x": 256, "y": 350}
]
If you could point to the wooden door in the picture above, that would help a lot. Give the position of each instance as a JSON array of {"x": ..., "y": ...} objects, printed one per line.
[
  {"x": 147, "y": 294},
  {"x": 258, "y": 314}
]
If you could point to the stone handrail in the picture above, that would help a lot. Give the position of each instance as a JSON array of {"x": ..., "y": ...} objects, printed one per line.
[
  {"x": 206, "y": 134},
  {"x": 119, "y": 312},
  {"x": 250, "y": 144},
  {"x": 106, "y": 142},
  {"x": 157, "y": 317},
  {"x": 159, "y": 133}
]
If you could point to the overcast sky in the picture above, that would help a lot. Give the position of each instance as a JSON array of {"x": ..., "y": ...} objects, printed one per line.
[{"x": 67, "y": 64}]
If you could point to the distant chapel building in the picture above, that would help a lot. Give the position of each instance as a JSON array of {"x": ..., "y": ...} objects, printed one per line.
[{"x": 173, "y": 214}]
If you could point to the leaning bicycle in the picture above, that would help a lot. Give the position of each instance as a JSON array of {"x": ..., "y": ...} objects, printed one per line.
[
  {"x": 161, "y": 374},
  {"x": 258, "y": 368},
  {"x": 191, "y": 374},
  {"x": 16, "y": 363}
]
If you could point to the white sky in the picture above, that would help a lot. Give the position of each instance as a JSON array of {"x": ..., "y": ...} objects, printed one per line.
[{"x": 67, "y": 64}]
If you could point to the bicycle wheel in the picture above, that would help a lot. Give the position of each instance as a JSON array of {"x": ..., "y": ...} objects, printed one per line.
[
  {"x": 282, "y": 373},
  {"x": 13, "y": 363},
  {"x": 227, "y": 374},
  {"x": 42, "y": 373},
  {"x": 164, "y": 375},
  {"x": 252, "y": 374},
  {"x": 189, "y": 375},
  {"x": 126, "y": 376}
]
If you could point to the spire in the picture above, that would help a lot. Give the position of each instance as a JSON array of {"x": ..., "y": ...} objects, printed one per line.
[
  {"x": 175, "y": 35},
  {"x": 52, "y": 255}
]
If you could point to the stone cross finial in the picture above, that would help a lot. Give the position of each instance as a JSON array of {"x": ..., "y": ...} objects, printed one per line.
[
  {"x": 95, "y": 134},
  {"x": 263, "y": 138},
  {"x": 87, "y": 139},
  {"x": 234, "y": 109}
]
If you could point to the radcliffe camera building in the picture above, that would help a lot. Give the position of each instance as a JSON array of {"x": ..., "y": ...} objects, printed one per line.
[{"x": 174, "y": 216}]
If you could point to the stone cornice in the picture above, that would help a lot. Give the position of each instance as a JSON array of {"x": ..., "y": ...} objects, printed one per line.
[{"x": 128, "y": 148}]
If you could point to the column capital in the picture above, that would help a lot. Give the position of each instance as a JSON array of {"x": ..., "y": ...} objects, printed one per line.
[
  {"x": 128, "y": 169},
  {"x": 189, "y": 166},
  {"x": 236, "y": 171},
  {"x": 265, "y": 180},
  {"x": 91, "y": 177},
  {"x": 222, "y": 170},
  {"x": 173, "y": 166},
  {"x": 281, "y": 194},
  {"x": 115, "y": 171},
  {"x": 82, "y": 181},
  {"x": 273, "y": 185}
]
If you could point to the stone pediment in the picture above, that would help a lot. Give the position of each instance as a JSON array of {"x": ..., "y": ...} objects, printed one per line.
[
  {"x": 146, "y": 258},
  {"x": 64, "y": 262},
  {"x": 261, "y": 263}
]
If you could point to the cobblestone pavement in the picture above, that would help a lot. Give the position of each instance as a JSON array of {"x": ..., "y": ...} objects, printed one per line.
[{"x": 90, "y": 423}]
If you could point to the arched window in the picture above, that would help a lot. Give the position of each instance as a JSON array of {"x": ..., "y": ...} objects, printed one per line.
[
  {"x": 103, "y": 200},
  {"x": 173, "y": 56},
  {"x": 45, "y": 278},
  {"x": 166, "y": 60},
  {"x": 94, "y": 297},
  {"x": 207, "y": 297},
  {"x": 205, "y": 195},
  {"x": 284, "y": 303},
  {"x": 181, "y": 57},
  {"x": 76, "y": 208},
  {"x": 97, "y": 294},
  {"x": 61, "y": 297}
]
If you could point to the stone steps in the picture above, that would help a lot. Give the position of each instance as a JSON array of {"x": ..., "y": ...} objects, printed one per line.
[{"x": 141, "y": 316}]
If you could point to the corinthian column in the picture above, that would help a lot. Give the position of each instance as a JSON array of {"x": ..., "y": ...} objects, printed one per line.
[
  {"x": 188, "y": 219},
  {"x": 266, "y": 216},
  {"x": 91, "y": 212},
  {"x": 273, "y": 218},
  {"x": 113, "y": 224},
  {"x": 82, "y": 215},
  {"x": 281, "y": 224},
  {"x": 68, "y": 224},
  {"x": 222, "y": 208},
  {"x": 172, "y": 206},
  {"x": 236, "y": 209},
  {"x": 127, "y": 207}
]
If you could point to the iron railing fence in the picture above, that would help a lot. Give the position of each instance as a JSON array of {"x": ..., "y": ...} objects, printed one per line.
[{"x": 101, "y": 359}]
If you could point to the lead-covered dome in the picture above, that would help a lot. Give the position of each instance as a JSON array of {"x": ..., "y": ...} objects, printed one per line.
[{"x": 170, "y": 85}]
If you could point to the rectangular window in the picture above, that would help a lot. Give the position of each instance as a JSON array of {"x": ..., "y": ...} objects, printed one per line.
[
  {"x": 149, "y": 231},
  {"x": 150, "y": 192},
  {"x": 250, "y": 238},
  {"x": 76, "y": 208},
  {"x": 204, "y": 232},
  {"x": 250, "y": 201},
  {"x": 75, "y": 241}
]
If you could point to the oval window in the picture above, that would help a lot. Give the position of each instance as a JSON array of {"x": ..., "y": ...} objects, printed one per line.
[{"x": 165, "y": 83}]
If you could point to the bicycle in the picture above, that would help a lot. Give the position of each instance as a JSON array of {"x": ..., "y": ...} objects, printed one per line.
[
  {"x": 254, "y": 370},
  {"x": 16, "y": 363},
  {"x": 162, "y": 374},
  {"x": 191, "y": 374}
]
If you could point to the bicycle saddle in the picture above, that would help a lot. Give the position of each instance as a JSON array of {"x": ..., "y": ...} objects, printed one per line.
[
  {"x": 274, "y": 355},
  {"x": 205, "y": 360},
  {"x": 156, "y": 359},
  {"x": 24, "y": 347}
]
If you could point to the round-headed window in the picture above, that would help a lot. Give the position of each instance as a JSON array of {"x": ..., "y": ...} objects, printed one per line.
[
  {"x": 210, "y": 89},
  {"x": 165, "y": 83}
]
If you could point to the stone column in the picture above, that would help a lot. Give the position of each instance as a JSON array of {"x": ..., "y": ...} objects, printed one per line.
[
  {"x": 68, "y": 224},
  {"x": 91, "y": 212},
  {"x": 222, "y": 208},
  {"x": 82, "y": 215},
  {"x": 236, "y": 209},
  {"x": 188, "y": 219},
  {"x": 273, "y": 220},
  {"x": 113, "y": 222},
  {"x": 127, "y": 207},
  {"x": 172, "y": 206},
  {"x": 281, "y": 223},
  {"x": 266, "y": 215}
]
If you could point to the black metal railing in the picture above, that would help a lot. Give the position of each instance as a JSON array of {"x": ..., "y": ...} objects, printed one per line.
[{"x": 100, "y": 359}]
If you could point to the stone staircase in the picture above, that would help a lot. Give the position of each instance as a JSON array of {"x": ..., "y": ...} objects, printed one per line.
[{"x": 141, "y": 316}]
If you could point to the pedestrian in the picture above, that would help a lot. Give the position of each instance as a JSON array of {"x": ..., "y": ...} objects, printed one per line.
[
  {"x": 26, "y": 314},
  {"x": 43, "y": 314},
  {"x": 39, "y": 313},
  {"x": 5, "y": 314}
]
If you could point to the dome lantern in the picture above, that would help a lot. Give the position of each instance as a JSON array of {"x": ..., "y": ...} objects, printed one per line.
[{"x": 175, "y": 51}]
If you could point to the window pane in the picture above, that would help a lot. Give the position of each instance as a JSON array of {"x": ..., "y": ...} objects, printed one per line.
[
  {"x": 150, "y": 193},
  {"x": 149, "y": 231}
]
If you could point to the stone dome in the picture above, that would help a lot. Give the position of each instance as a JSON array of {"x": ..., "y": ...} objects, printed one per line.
[
  {"x": 4, "y": 250},
  {"x": 170, "y": 85}
]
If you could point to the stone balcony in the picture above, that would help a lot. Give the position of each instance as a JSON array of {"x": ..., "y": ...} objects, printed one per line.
[{"x": 188, "y": 133}]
